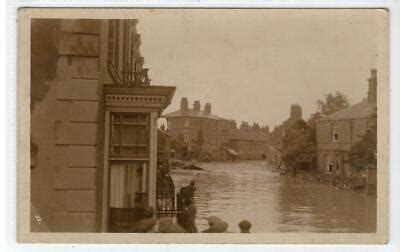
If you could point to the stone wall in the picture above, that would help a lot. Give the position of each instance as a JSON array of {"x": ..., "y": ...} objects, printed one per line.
[{"x": 64, "y": 127}]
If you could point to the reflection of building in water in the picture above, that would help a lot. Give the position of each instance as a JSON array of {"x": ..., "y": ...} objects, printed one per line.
[
  {"x": 212, "y": 137},
  {"x": 338, "y": 132},
  {"x": 93, "y": 125}
]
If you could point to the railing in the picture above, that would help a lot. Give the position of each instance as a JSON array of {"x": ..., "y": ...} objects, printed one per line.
[{"x": 125, "y": 64}]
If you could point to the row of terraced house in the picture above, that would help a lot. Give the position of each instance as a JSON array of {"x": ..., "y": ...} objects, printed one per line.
[{"x": 220, "y": 137}]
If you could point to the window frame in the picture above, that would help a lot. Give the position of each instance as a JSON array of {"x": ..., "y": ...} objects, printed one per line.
[{"x": 152, "y": 161}]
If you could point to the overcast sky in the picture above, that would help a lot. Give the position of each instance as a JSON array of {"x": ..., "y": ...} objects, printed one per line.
[{"x": 252, "y": 65}]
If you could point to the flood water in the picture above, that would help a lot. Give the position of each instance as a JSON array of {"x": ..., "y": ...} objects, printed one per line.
[{"x": 275, "y": 203}]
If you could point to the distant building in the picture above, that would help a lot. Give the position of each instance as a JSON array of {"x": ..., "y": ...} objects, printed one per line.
[
  {"x": 338, "y": 132},
  {"x": 218, "y": 137},
  {"x": 249, "y": 144}
]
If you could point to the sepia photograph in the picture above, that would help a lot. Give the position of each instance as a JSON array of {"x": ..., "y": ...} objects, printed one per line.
[{"x": 196, "y": 121}]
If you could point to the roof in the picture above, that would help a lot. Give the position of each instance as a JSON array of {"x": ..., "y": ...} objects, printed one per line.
[
  {"x": 192, "y": 113},
  {"x": 362, "y": 109}
]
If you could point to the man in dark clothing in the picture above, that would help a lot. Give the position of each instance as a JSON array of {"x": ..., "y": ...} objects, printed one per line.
[
  {"x": 189, "y": 216},
  {"x": 187, "y": 192}
]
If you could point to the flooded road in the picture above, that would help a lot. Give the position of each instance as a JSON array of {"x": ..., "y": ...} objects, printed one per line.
[{"x": 275, "y": 203}]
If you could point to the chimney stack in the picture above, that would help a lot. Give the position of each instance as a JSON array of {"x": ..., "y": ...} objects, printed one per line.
[
  {"x": 196, "y": 105},
  {"x": 372, "y": 87},
  {"x": 295, "y": 112},
  {"x": 207, "y": 108},
  {"x": 184, "y": 104}
]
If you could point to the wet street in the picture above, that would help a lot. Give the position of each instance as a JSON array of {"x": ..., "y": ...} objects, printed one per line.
[{"x": 275, "y": 203}]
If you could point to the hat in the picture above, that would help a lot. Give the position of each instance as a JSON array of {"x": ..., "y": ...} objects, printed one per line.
[
  {"x": 145, "y": 225},
  {"x": 164, "y": 225},
  {"x": 167, "y": 226},
  {"x": 149, "y": 212},
  {"x": 216, "y": 225},
  {"x": 212, "y": 220},
  {"x": 244, "y": 225},
  {"x": 219, "y": 227}
]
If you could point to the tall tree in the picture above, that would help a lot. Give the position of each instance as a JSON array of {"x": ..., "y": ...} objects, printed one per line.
[
  {"x": 364, "y": 152},
  {"x": 331, "y": 104},
  {"x": 298, "y": 150}
]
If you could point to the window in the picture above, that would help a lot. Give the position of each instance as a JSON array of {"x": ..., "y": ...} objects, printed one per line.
[
  {"x": 127, "y": 183},
  {"x": 186, "y": 123},
  {"x": 186, "y": 136},
  {"x": 130, "y": 135},
  {"x": 335, "y": 135},
  {"x": 328, "y": 165},
  {"x": 129, "y": 155},
  {"x": 124, "y": 61},
  {"x": 169, "y": 125},
  {"x": 337, "y": 165}
]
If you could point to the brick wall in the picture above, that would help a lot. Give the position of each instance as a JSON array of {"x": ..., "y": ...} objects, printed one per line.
[{"x": 349, "y": 132}]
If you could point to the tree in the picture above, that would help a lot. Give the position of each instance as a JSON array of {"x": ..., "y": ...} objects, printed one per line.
[
  {"x": 331, "y": 104},
  {"x": 363, "y": 153},
  {"x": 298, "y": 150}
]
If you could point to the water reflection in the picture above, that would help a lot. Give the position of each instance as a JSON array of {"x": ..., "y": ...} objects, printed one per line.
[{"x": 275, "y": 203}]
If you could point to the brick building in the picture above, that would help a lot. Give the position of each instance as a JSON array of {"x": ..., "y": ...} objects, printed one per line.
[
  {"x": 338, "y": 132},
  {"x": 220, "y": 137},
  {"x": 93, "y": 123}
]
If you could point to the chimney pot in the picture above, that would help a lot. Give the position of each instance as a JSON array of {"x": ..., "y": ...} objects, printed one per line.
[
  {"x": 372, "y": 87},
  {"x": 184, "y": 104},
  {"x": 207, "y": 108},
  {"x": 196, "y": 105},
  {"x": 295, "y": 112}
]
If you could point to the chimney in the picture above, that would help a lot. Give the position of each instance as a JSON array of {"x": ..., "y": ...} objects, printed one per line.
[
  {"x": 207, "y": 108},
  {"x": 196, "y": 106},
  {"x": 184, "y": 104},
  {"x": 295, "y": 112},
  {"x": 372, "y": 87}
]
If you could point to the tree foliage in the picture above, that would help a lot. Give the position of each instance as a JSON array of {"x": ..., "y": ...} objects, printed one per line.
[
  {"x": 363, "y": 153},
  {"x": 331, "y": 104},
  {"x": 298, "y": 148}
]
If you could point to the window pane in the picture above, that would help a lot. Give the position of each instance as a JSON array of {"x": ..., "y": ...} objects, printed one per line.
[
  {"x": 127, "y": 180},
  {"x": 130, "y": 134}
]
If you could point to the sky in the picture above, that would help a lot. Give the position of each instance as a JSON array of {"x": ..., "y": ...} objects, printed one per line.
[{"x": 252, "y": 65}]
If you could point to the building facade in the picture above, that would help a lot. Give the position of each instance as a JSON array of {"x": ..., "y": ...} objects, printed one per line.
[
  {"x": 93, "y": 124},
  {"x": 218, "y": 137},
  {"x": 338, "y": 132}
]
